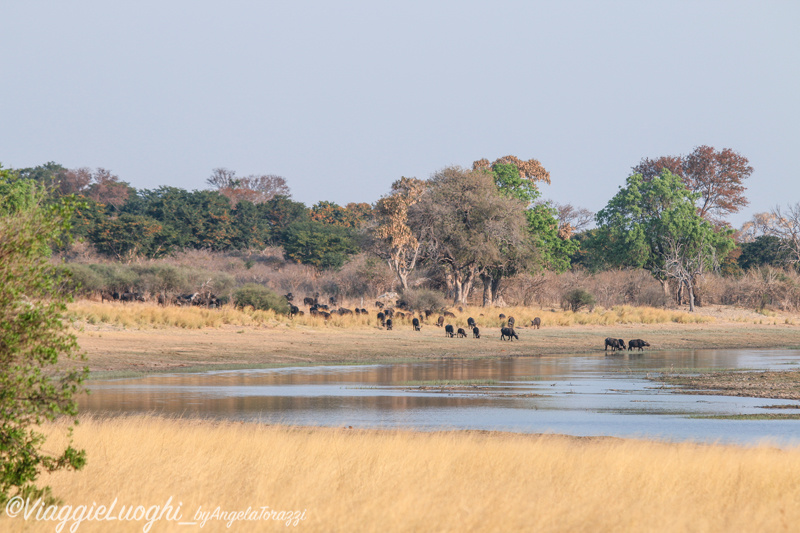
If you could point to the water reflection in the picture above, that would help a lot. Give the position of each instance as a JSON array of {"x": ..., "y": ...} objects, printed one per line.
[{"x": 586, "y": 395}]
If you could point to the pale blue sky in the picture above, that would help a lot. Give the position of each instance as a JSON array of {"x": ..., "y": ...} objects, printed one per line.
[{"x": 342, "y": 98}]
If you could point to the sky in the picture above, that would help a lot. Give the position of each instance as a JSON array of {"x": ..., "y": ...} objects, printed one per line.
[{"x": 343, "y": 98}]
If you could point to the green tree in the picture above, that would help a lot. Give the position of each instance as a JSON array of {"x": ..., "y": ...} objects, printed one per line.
[
  {"x": 654, "y": 225},
  {"x": 321, "y": 245},
  {"x": 33, "y": 335}
]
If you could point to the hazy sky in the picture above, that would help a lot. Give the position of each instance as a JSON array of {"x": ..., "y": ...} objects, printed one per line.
[{"x": 342, "y": 98}]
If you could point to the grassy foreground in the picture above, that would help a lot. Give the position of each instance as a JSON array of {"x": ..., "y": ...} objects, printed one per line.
[{"x": 360, "y": 480}]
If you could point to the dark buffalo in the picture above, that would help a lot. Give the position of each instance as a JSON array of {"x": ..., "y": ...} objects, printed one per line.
[
  {"x": 324, "y": 315},
  {"x": 400, "y": 314},
  {"x": 388, "y": 324},
  {"x": 323, "y": 307},
  {"x": 508, "y": 332},
  {"x": 471, "y": 322},
  {"x": 502, "y": 316},
  {"x": 637, "y": 343},
  {"x": 511, "y": 321},
  {"x": 448, "y": 330},
  {"x": 293, "y": 311},
  {"x": 389, "y": 312},
  {"x": 358, "y": 311},
  {"x": 108, "y": 296},
  {"x": 379, "y": 305},
  {"x": 289, "y": 297},
  {"x": 364, "y": 311},
  {"x": 415, "y": 324},
  {"x": 440, "y": 321},
  {"x": 382, "y": 319},
  {"x": 344, "y": 311},
  {"x": 616, "y": 344},
  {"x": 476, "y": 333},
  {"x": 536, "y": 322},
  {"x": 309, "y": 301},
  {"x": 448, "y": 313},
  {"x": 461, "y": 333},
  {"x": 332, "y": 301}
]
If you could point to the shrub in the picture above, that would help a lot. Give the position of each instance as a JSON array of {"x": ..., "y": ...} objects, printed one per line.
[
  {"x": 260, "y": 298},
  {"x": 423, "y": 299},
  {"x": 577, "y": 299}
]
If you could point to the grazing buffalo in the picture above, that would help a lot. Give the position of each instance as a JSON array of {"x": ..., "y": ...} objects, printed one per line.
[
  {"x": 293, "y": 310},
  {"x": 440, "y": 322},
  {"x": 536, "y": 322},
  {"x": 382, "y": 319},
  {"x": 364, "y": 312},
  {"x": 379, "y": 305},
  {"x": 108, "y": 296},
  {"x": 461, "y": 333},
  {"x": 471, "y": 322},
  {"x": 428, "y": 313},
  {"x": 324, "y": 315},
  {"x": 448, "y": 330},
  {"x": 415, "y": 324},
  {"x": 322, "y": 306},
  {"x": 309, "y": 301},
  {"x": 637, "y": 343},
  {"x": 511, "y": 321},
  {"x": 389, "y": 312},
  {"x": 289, "y": 296},
  {"x": 476, "y": 333},
  {"x": 388, "y": 324},
  {"x": 508, "y": 332},
  {"x": 502, "y": 316},
  {"x": 400, "y": 314},
  {"x": 344, "y": 311},
  {"x": 616, "y": 344}
]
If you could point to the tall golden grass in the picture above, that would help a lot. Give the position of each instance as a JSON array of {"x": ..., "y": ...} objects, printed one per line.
[
  {"x": 138, "y": 315},
  {"x": 360, "y": 480}
]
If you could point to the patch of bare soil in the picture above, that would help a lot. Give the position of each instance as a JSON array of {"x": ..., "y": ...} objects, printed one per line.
[{"x": 784, "y": 385}]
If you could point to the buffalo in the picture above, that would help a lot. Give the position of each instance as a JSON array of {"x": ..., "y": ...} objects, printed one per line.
[
  {"x": 344, "y": 311},
  {"x": 536, "y": 322},
  {"x": 379, "y": 305},
  {"x": 448, "y": 313},
  {"x": 440, "y": 321},
  {"x": 508, "y": 332},
  {"x": 293, "y": 310},
  {"x": 511, "y": 321},
  {"x": 471, "y": 322},
  {"x": 289, "y": 296},
  {"x": 448, "y": 330},
  {"x": 415, "y": 324},
  {"x": 637, "y": 343},
  {"x": 461, "y": 333},
  {"x": 616, "y": 344},
  {"x": 502, "y": 316},
  {"x": 382, "y": 319},
  {"x": 476, "y": 333},
  {"x": 389, "y": 324}
]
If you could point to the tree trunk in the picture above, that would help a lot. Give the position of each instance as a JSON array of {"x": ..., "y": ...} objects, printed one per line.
[
  {"x": 488, "y": 294},
  {"x": 691, "y": 295},
  {"x": 496, "y": 289}
]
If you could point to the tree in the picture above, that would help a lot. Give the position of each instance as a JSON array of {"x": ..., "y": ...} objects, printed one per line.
[
  {"x": 654, "y": 225},
  {"x": 33, "y": 335},
  {"x": 716, "y": 176},
  {"x": 763, "y": 250},
  {"x": 467, "y": 225},
  {"x": 255, "y": 188},
  {"x": 785, "y": 224},
  {"x": 318, "y": 244},
  {"x": 390, "y": 237}
]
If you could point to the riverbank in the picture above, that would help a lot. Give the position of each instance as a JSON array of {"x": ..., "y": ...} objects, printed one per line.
[
  {"x": 113, "y": 349},
  {"x": 367, "y": 480}
]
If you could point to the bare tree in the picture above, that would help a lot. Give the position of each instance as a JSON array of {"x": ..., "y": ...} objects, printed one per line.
[
  {"x": 255, "y": 188},
  {"x": 786, "y": 226},
  {"x": 572, "y": 219}
]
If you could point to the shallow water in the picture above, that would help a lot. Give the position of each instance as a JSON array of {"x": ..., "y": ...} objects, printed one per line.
[{"x": 574, "y": 395}]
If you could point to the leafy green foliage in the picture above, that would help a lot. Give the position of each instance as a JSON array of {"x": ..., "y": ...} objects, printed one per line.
[
  {"x": 318, "y": 244},
  {"x": 577, "y": 299},
  {"x": 764, "y": 250},
  {"x": 259, "y": 297},
  {"x": 33, "y": 335}
]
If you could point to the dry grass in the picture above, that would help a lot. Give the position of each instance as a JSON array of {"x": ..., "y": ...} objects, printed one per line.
[
  {"x": 353, "y": 480},
  {"x": 137, "y": 315}
]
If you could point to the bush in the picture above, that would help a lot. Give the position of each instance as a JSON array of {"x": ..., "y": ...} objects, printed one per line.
[
  {"x": 423, "y": 299},
  {"x": 260, "y": 298},
  {"x": 577, "y": 299}
]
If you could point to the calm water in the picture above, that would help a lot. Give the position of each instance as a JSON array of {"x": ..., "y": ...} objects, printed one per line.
[{"x": 575, "y": 395}]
